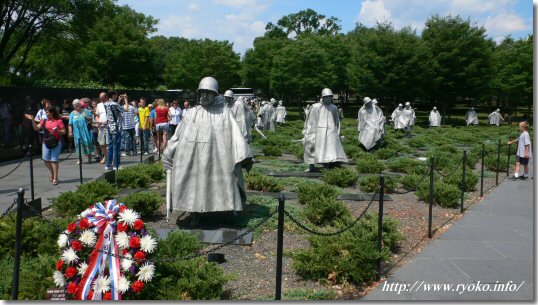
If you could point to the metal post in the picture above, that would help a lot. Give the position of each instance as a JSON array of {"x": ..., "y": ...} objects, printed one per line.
[
  {"x": 430, "y": 210},
  {"x": 498, "y": 162},
  {"x": 18, "y": 245},
  {"x": 463, "y": 180},
  {"x": 380, "y": 225},
  {"x": 31, "y": 152},
  {"x": 280, "y": 247},
  {"x": 141, "y": 144},
  {"x": 159, "y": 133},
  {"x": 80, "y": 159},
  {"x": 508, "y": 165},
  {"x": 482, "y": 171}
]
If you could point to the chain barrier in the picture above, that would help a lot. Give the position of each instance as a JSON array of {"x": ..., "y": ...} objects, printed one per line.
[
  {"x": 328, "y": 234},
  {"x": 8, "y": 209},
  {"x": 414, "y": 188},
  {"x": 170, "y": 259},
  {"x": 456, "y": 168},
  {"x": 66, "y": 158},
  {"x": 18, "y": 165}
]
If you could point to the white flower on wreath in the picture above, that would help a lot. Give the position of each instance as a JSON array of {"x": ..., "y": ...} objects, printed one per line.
[
  {"x": 63, "y": 239},
  {"x": 82, "y": 267},
  {"x": 69, "y": 256},
  {"x": 146, "y": 272},
  {"x": 126, "y": 262},
  {"x": 123, "y": 284},
  {"x": 129, "y": 217},
  {"x": 88, "y": 238},
  {"x": 59, "y": 278},
  {"x": 148, "y": 244},
  {"x": 101, "y": 284},
  {"x": 122, "y": 239}
]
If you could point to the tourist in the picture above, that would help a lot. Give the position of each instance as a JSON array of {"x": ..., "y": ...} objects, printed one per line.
[
  {"x": 161, "y": 122},
  {"x": 65, "y": 113},
  {"x": 42, "y": 115},
  {"x": 152, "y": 116},
  {"x": 78, "y": 130},
  {"x": 100, "y": 114},
  {"x": 53, "y": 128},
  {"x": 114, "y": 113},
  {"x": 129, "y": 129},
  {"x": 524, "y": 151},
  {"x": 137, "y": 122},
  {"x": 175, "y": 116},
  {"x": 186, "y": 108},
  {"x": 143, "y": 114},
  {"x": 94, "y": 130},
  {"x": 6, "y": 112}
]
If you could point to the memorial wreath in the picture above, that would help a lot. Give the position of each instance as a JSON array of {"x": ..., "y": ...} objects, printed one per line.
[{"x": 104, "y": 254}]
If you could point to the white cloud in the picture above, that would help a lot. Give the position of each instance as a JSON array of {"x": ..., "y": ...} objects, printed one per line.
[
  {"x": 373, "y": 12},
  {"x": 502, "y": 24},
  {"x": 193, "y": 7}
]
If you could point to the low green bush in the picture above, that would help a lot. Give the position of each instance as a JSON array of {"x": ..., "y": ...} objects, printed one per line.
[
  {"x": 193, "y": 279},
  {"x": 304, "y": 294},
  {"x": 258, "y": 182},
  {"x": 417, "y": 142},
  {"x": 298, "y": 151},
  {"x": 309, "y": 192},
  {"x": 445, "y": 195},
  {"x": 272, "y": 151},
  {"x": 35, "y": 276},
  {"x": 369, "y": 165},
  {"x": 348, "y": 257},
  {"x": 140, "y": 176},
  {"x": 342, "y": 177},
  {"x": 145, "y": 203},
  {"x": 408, "y": 165},
  {"x": 490, "y": 162},
  {"x": 370, "y": 184},
  {"x": 412, "y": 181},
  {"x": 72, "y": 203},
  {"x": 386, "y": 153},
  {"x": 38, "y": 238},
  {"x": 327, "y": 212},
  {"x": 471, "y": 179}
]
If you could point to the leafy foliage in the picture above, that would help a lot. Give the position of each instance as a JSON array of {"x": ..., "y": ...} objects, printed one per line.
[
  {"x": 72, "y": 203},
  {"x": 310, "y": 192},
  {"x": 327, "y": 212},
  {"x": 139, "y": 176},
  {"x": 342, "y": 177},
  {"x": 446, "y": 195},
  {"x": 145, "y": 203},
  {"x": 258, "y": 182},
  {"x": 272, "y": 151},
  {"x": 369, "y": 164},
  {"x": 370, "y": 184},
  {"x": 35, "y": 276}
]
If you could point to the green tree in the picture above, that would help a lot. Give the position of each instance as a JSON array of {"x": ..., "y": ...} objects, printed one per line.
[
  {"x": 393, "y": 65},
  {"x": 462, "y": 59},
  {"x": 305, "y": 22},
  {"x": 512, "y": 83}
]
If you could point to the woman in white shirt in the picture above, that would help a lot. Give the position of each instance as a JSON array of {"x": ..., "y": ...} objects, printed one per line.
[{"x": 175, "y": 117}]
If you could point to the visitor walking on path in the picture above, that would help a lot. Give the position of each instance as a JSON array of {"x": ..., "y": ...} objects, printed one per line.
[
  {"x": 143, "y": 113},
  {"x": 114, "y": 114},
  {"x": 78, "y": 130},
  {"x": 175, "y": 116},
  {"x": 162, "y": 125},
  {"x": 53, "y": 128},
  {"x": 94, "y": 130},
  {"x": 524, "y": 151},
  {"x": 100, "y": 114},
  {"x": 41, "y": 116},
  {"x": 129, "y": 129}
]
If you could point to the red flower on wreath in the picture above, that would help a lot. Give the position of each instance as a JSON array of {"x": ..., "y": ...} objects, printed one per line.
[
  {"x": 135, "y": 242},
  {"x": 72, "y": 227},
  {"x": 138, "y": 286},
  {"x": 90, "y": 295},
  {"x": 72, "y": 288},
  {"x": 139, "y": 225},
  {"x": 77, "y": 245},
  {"x": 108, "y": 296},
  {"x": 60, "y": 265},
  {"x": 123, "y": 227},
  {"x": 70, "y": 272},
  {"x": 140, "y": 255},
  {"x": 84, "y": 224},
  {"x": 125, "y": 251},
  {"x": 123, "y": 208}
]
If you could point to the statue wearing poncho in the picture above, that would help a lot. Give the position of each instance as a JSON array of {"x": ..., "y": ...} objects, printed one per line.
[
  {"x": 435, "y": 118},
  {"x": 398, "y": 119},
  {"x": 242, "y": 114},
  {"x": 322, "y": 133},
  {"x": 409, "y": 114},
  {"x": 280, "y": 113},
  {"x": 266, "y": 114},
  {"x": 371, "y": 124},
  {"x": 471, "y": 117},
  {"x": 205, "y": 156},
  {"x": 495, "y": 118}
]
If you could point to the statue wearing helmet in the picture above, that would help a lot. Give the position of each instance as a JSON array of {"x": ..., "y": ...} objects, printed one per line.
[
  {"x": 371, "y": 123},
  {"x": 471, "y": 117},
  {"x": 280, "y": 113},
  {"x": 435, "y": 118},
  {"x": 398, "y": 120},
  {"x": 409, "y": 114},
  {"x": 268, "y": 116},
  {"x": 322, "y": 143},
  {"x": 496, "y": 118},
  {"x": 205, "y": 157},
  {"x": 242, "y": 113}
]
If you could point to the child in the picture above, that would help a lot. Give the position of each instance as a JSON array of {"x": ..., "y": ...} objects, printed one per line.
[{"x": 523, "y": 151}]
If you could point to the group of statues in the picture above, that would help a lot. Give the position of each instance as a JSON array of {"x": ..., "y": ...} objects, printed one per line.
[
  {"x": 206, "y": 156},
  {"x": 495, "y": 118}
]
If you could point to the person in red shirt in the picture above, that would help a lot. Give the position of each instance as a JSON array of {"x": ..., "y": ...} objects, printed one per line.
[
  {"x": 162, "y": 122},
  {"x": 55, "y": 126}
]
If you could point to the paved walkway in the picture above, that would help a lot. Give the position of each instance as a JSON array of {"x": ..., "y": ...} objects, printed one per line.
[
  {"x": 493, "y": 242},
  {"x": 68, "y": 175}
]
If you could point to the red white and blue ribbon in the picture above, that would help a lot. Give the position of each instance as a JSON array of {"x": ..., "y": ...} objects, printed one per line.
[{"x": 104, "y": 219}]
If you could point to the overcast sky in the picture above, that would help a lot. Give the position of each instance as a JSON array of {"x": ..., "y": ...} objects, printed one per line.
[{"x": 240, "y": 21}]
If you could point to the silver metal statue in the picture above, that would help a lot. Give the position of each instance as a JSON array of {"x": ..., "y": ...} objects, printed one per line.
[
  {"x": 281, "y": 113},
  {"x": 435, "y": 118},
  {"x": 321, "y": 133},
  {"x": 267, "y": 115},
  {"x": 496, "y": 118},
  {"x": 409, "y": 113},
  {"x": 241, "y": 113},
  {"x": 371, "y": 123},
  {"x": 471, "y": 117},
  {"x": 206, "y": 155},
  {"x": 398, "y": 119}
]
